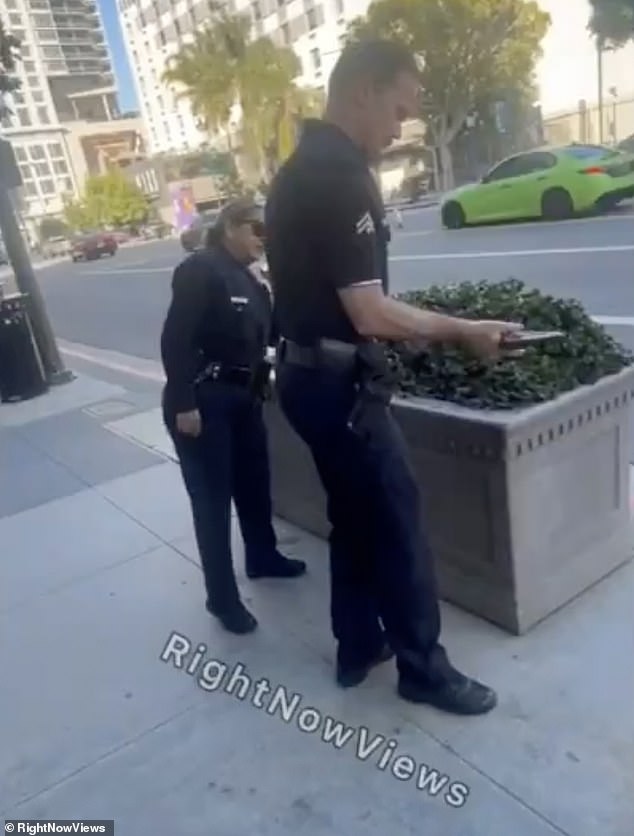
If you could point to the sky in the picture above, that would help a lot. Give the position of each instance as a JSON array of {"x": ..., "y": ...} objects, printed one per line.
[
  {"x": 566, "y": 73},
  {"x": 568, "y": 69},
  {"x": 125, "y": 83}
]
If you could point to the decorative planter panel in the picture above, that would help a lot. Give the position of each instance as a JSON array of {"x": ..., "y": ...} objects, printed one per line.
[{"x": 525, "y": 509}]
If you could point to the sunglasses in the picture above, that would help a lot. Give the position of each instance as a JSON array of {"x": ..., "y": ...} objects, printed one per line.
[{"x": 257, "y": 228}]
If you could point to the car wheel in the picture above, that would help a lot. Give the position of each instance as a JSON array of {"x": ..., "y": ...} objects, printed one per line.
[
  {"x": 453, "y": 215},
  {"x": 556, "y": 205}
]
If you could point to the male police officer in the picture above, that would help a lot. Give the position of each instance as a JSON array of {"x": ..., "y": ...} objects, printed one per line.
[{"x": 327, "y": 253}]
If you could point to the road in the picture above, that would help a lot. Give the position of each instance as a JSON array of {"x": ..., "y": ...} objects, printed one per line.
[{"x": 119, "y": 303}]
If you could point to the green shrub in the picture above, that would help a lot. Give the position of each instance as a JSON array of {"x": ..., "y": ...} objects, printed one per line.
[{"x": 585, "y": 355}]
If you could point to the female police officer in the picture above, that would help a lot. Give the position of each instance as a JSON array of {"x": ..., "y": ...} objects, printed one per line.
[{"x": 213, "y": 346}]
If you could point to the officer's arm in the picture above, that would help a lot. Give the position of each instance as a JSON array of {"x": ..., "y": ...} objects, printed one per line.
[
  {"x": 350, "y": 260},
  {"x": 190, "y": 291}
]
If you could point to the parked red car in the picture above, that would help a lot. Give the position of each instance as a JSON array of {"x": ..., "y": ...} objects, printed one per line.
[{"x": 93, "y": 245}]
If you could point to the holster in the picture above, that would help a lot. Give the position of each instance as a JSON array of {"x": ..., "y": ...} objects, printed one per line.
[
  {"x": 373, "y": 393},
  {"x": 261, "y": 383}
]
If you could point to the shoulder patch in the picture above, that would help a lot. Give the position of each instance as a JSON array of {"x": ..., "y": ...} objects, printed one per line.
[{"x": 365, "y": 225}]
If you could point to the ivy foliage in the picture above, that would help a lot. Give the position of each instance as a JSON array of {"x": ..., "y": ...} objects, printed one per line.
[{"x": 586, "y": 354}]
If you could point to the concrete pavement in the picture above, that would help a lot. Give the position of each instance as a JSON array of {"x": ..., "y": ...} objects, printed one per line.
[{"x": 100, "y": 571}]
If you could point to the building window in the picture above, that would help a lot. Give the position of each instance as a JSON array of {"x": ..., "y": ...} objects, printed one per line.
[
  {"x": 32, "y": 80},
  {"x": 47, "y": 186},
  {"x": 65, "y": 184},
  {"x": 43, "y": 20},
  {"x": 36, "y": 152},
  {"x": 311, "y": 18},
  {"x": 52, "y": 52},
  {"x": 30, "y": 190},
  {"x": 15, "y": 19},
  {"x": 339, "y": 8},
  {"x": 28, "y": 66},
  {"x": 42, "y": 115},
  {"x": 42, "y": 169},
  {"x": 20, "y": 155},
  {"x": 38, "y": 96},
  {"x": 315, "y": 57},
  {"x": 24, "y": 117},
  {"x": 55, "y": 150},
  {"x": 60, "y": 167}
]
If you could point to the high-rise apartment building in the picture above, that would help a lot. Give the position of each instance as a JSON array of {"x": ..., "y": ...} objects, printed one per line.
[
  {"x": 155, "y": 29},
  {"x": 66, "y": 76}
]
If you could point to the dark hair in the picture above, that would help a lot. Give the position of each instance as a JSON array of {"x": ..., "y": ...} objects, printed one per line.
[
  {"x": 236, "y": 212},
  {"x": 376, "y": 61}
]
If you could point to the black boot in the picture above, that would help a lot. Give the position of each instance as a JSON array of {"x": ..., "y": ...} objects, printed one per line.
[
  {"x": 457, "y": 694},
  {"x": 277, "y": 567},
  {"x": 235, "y": 619},
  {"x": 349, "y": 676}
]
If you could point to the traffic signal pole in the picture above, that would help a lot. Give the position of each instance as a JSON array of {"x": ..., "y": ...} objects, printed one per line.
[{"x": 25, "y": 277}]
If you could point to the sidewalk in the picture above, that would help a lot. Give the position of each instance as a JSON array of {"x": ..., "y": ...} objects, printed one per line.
[{"x": 99, "y": 569}]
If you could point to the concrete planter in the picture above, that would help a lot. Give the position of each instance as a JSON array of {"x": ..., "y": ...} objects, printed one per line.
[{"x": 526, "y": 509}]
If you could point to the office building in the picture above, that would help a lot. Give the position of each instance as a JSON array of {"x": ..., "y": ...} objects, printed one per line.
[
  {"x": 66, "y": 105},
  {"x": 155, "y": 29}
]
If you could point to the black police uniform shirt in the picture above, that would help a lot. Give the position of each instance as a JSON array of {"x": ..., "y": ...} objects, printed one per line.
[
  {"x": 326, "y": 230},
  {"x": 219, "y": 312}
]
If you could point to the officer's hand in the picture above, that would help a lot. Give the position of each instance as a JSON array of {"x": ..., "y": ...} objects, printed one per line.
[
  {"x": 484, "y": 337},
  {"x": 189, "y": 423}
]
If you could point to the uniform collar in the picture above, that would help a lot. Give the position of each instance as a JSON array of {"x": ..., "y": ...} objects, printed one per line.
[{"x": 322, "y": 138}]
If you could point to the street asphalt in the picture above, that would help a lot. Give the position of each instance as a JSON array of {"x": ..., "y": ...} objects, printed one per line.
[{"x": 119, "y": 303}]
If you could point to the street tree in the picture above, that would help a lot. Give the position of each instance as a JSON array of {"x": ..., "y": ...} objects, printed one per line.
[
  {"x": 109, "y": 200},
  {"x": 468, "y": 51},
  {"x": 612, "y": 21},
  {"x": 9, "y": 55},
  {"x": 223, "y": 69}
]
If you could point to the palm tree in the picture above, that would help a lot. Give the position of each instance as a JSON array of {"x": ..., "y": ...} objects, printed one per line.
[
  {"x": 223, "y": 67},
  {"x": 9, "y": 46}
]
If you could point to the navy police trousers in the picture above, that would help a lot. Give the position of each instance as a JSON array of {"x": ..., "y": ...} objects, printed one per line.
[
  {"x": 381, "y": 567},
  {"x": 228, "y": 461}
]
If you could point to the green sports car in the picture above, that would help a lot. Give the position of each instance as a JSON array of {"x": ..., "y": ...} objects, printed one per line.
[{"x": 550, "y": 183}]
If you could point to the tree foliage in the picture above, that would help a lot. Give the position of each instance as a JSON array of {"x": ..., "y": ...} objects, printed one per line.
[
  {"x": 468, "y": 51},
  {"x": 223, "y": 68},
  {"x": 109, "y": 200},
  {"x": 612, "y": 21},
  {"x": 9, "y": 46}
]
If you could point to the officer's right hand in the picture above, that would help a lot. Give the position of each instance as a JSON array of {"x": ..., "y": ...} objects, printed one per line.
[
  {"x": 189, "y": 423},
  {"x": 484, "y": 337}
]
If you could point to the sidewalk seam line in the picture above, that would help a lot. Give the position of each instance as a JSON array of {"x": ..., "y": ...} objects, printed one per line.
[
  {"x": 123, "y": 745},
  {"x": 81, "y": 578}
]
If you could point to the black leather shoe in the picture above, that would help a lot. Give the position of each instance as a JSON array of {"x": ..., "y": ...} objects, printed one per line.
[
  {"x": 457, "y": 695},
  {"x": 285, "y": 567},
  {"x": 238, "y": 619},
  {"x": 350, "y": 677}
]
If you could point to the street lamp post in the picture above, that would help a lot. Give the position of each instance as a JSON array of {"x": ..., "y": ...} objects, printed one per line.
[
  {"x": 600, "y": 49},
  {"x": 25, "y": 277}
]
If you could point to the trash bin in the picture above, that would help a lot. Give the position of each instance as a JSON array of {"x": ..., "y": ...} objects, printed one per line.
[{"x": 22, "y": 374}]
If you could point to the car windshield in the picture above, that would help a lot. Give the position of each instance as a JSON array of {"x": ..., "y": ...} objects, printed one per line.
[{"x": 589, "y": 152}]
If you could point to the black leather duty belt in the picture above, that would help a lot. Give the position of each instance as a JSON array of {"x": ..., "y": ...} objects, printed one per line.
[
  {"x": 224, "y": 373},
  {"x": 327, "y": 354}
]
